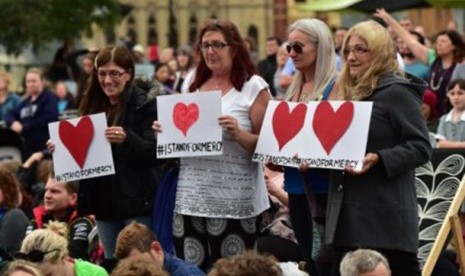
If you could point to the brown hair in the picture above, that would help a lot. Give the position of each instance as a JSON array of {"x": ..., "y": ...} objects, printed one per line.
[
  {"x": 138, "y": 266},
  {"x": 94, "y": 99},
  {"x": 10, "y": 189},
  {"x": 245, "y": 264},
  {"x": 134, "y": 236},
  {"x": 242, "y": 66}
]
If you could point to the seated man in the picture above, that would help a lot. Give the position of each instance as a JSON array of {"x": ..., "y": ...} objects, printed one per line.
[
  {"x": 60, "y": 202},
  {"x": 136, "y": 239},
  {"x": 364, "y": 262}
]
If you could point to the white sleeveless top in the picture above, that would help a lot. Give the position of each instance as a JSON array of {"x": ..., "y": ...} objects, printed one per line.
[{"x": 229, "y": 185}]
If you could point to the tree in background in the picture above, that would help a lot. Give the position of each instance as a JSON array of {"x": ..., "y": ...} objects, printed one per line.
[{"x": 35, "y": 22}]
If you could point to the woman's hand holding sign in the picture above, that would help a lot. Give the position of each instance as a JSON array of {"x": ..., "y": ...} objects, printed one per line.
[{"x": 115, "y": 134}]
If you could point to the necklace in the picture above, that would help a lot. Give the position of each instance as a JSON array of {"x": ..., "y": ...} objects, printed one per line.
[
  {"x": 442, "y": 72},
  {"x": 438, "y": 85}
]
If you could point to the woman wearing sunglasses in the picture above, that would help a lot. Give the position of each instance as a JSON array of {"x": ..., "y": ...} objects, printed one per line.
[
  {"x": 117, "y": 200},
  {"x": 310, "y": 46},
  {"x": 212, "y": 219},
  {"x": 49, "y": 251},
  {"x": 376, "y": 207}
]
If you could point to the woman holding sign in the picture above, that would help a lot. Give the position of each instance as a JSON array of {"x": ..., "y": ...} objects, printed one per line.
[
  {"x": 117, "y": 200},
  {"x": 218, "y": 198},
  {"x": 376, "y": 207},
  {"x": 311, "y": 49}
]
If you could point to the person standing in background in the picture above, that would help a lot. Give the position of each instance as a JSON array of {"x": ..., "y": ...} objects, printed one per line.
[
  {"x": 267, "y": 67},
  {"x": 34, "y": 113},
  {"x": 8, "y": 100}
]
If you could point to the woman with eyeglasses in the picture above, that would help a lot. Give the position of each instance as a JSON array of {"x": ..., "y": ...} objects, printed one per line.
[
  {"x": 49, "y": 251},
  {"x": 219, "y": 198},
  {"x": 311, "y": 48},
  {"x": 119, "y": 199},
  {"x": 376, "y": 207},
  {"x": 13, "y": 221}
]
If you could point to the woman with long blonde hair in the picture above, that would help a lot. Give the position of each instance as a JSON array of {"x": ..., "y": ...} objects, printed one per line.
[{"x": 370, "y": 207}]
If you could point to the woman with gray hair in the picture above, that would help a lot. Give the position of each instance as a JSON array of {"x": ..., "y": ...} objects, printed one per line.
[{"x": 311, "y": 48}]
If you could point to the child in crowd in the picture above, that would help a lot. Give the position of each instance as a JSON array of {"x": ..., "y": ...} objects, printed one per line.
[{"x": 451, "y": 129}]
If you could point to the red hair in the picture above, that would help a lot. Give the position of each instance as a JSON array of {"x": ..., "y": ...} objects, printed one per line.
[{"x": 242, "y": 64}]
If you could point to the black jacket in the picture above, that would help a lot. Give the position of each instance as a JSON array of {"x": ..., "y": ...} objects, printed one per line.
[{"x": 129, "y": 192}]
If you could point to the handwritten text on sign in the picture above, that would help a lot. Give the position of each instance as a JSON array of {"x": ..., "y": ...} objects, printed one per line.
[
  {"x": 189, "y": 125},
  {"x": 326, "y": 134},
  {"x": 81, "y": 149}
]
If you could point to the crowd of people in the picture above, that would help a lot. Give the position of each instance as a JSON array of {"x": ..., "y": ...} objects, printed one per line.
[{"x": 230, "y": 215}]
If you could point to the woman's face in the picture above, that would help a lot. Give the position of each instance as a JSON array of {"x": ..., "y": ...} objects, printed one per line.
[
  {"x": 444, "y": 45},
  {"x": 183, "y": 60},
  {"x": 61, "y": 90},
  {"x": 358, "y": 56},
  {"x": 216, "y": 52},
  {"x": 163, "y": 74},
  {"x": 281, "y": 57},
  {"x": 307, "y": 58},
  {"x": 112, "y": 79},
  {"x": 34, "y": 84}
]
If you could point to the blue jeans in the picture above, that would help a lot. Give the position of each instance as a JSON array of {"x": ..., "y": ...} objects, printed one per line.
[{"x": 108, "y": 231}]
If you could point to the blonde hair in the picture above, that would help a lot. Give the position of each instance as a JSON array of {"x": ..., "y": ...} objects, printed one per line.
[
  {"x": 383, "y": 60},
  {"x": 58, "y": 227},
  {"x": 46, "y": 240},
  {"x": 24, "y": 266},
  {"x": 6, "y": 77},
  {"x": 320, "y": 35}
]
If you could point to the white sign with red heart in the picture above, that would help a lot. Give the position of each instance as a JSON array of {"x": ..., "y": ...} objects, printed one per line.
[
  {"x": 326, "y": 134},
  {"x": 81, "y": 149},
  {"x": 189, "y": 125}
]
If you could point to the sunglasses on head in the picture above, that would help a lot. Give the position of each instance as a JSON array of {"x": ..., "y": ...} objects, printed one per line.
[
  {"x": 35, "y": 256},
  {"x": 298, "y": 49}
]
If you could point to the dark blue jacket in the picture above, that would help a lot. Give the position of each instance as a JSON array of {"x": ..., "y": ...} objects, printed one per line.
[
  {"x": 35, "y": 117},
  {"x": 177, "y": 267}
]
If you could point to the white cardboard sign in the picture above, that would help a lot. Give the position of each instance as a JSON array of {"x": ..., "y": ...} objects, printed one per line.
[
  {"x": 325, "y": 134},
  {"x": 81, "y": 148},
  {"x": 189, "y": 125}
]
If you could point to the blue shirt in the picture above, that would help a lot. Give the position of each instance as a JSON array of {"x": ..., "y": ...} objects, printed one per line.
[
  {"x": 11, "y": 102},
  {"x": 177, "y": 267}
]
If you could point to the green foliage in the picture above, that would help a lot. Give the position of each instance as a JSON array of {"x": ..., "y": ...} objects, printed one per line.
[{"x": 36, "y": 22}]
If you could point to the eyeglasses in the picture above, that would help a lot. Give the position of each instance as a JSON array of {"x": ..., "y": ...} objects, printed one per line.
[
  {"x": 35, "y": 256},
  {"x": 216, "y": 45},
  {"x": 114, "y": 74},
  {"x": 358, "y": 51},
  {"x": 298, "y": 48}
]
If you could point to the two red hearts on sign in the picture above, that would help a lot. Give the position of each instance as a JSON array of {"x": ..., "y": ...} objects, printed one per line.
[{"x": 329, "y": 126}]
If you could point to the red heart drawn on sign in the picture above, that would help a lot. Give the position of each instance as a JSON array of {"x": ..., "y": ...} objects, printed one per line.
[
  {"x": 77, "y": 138},
  {"x": 184, "y": 116},
  {"x": 329, "y": 126},
  {"x": 287, "y": 124}
]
